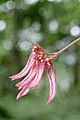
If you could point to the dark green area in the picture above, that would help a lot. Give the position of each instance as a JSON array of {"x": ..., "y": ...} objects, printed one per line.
[{"x": 22, "y": 23}]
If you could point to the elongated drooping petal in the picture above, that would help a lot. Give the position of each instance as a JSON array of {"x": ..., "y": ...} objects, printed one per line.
[
  {"x": 25, "y": 89},
  {"x": 28, "y": 79},
  {"x": 23, "y": 92},
  {"x": 38, "y": 77},
  {"x": 32, "y": 82},
  {"x": 26, "y": 69},
  {"x": 52, "y": 78},
  {"x": 26, "y": 82}
]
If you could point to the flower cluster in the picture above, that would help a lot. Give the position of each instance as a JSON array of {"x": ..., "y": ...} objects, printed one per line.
[{"x": 38, "y": 62}]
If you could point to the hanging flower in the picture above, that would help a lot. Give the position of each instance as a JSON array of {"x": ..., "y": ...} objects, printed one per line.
[
  {"x": 37, "y": 63},
  {"x": 34, "y": 69}
]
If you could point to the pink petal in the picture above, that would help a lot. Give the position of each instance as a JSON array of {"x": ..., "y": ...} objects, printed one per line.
[
  {"x": 23, "y": 92},
  {"x": 29, "y": 78},
  {"x": 26, "y": 69},
  {"x": 52, "y": 78},
  {"x": 38, "y": 77},
  {"x": 33, "y": 82}
]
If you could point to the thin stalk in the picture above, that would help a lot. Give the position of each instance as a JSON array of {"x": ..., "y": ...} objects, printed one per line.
[
  {"x": 56, "y": 54},
  {"x": 72, "y": 43}
]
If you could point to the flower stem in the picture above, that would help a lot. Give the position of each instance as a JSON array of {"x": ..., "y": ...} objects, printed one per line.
[
  {"x": 56, "y": 54},
  {"x": 72, "y": 43}
]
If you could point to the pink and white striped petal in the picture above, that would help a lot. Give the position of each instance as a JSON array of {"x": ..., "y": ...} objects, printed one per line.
[
  {"x": 23, "y": 92},
  {"x": 26, "y": 69},
  {"x": 33, "y": 83},
  {"x": 52, "y": 80},
  {"x": 29, "y": 78},
  {"x": 38, "y": 77}
]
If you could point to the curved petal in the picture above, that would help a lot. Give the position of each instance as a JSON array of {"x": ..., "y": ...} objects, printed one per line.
[
  {"x": 26, "y": 69},
  {"x": 52, "y": 78},
  {"x": 34, "y": 82},
  {"x": 38, "y": 77},
  {"x": 29, "y": 78},
  {"x": 23, "y": 92}
]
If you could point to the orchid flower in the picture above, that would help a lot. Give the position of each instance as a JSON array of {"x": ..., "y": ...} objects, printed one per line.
[{"x": 33, "y": 72}]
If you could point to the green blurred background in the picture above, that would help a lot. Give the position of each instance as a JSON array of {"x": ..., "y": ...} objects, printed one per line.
[{"x": 53, "y": 24}]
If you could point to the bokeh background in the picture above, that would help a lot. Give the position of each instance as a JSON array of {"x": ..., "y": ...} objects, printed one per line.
[{"x": 53, "y": 24}]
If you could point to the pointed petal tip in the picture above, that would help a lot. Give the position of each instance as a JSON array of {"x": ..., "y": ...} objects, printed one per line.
[
  {"x": 17, "y": 85},
  {"x": 19, "y": 88},
  {"x": 18, "y": 96},
  {"x": 48, "y": 102},
  {"x": 12, "y": 78}
]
